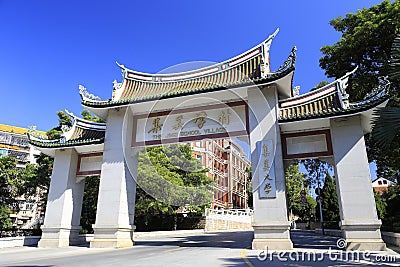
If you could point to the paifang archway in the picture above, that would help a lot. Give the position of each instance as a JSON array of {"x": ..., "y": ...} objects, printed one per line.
[{"x": 150, "y": 109}]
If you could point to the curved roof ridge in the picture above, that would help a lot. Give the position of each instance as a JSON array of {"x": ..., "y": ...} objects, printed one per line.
[
  {"x": 84, "y": 123},
  {"x": 82, "y": 132},
  {"x": 379, "y": 92},
  {"x": 138, "y": 91},
  {"x": 250, "y": 53},
  {"x": 342, "y": 85}
]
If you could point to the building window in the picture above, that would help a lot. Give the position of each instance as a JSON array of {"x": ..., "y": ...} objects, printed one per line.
[{"x": 380, "y": 182}]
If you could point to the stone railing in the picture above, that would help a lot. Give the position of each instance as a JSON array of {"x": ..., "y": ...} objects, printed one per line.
[
  {"x": 233, "y": 219},
  {"x": 391, "y": 238},
  {"x": 19, "y": 241}
]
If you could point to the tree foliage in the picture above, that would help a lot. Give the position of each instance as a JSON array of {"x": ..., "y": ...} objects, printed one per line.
[
  {"x": 386, "y": 127},
  {"x": 391, "y": 211},
  {"x": 36, "y": 178},
  {"x": 168, "y": 177},
  {"x": 10, "y": 180},
  {"x": 316, "y": 170},
  {"x": 89, "y": 204},
  {"x": 16, "y": 181},
  {"x": 87, "y": 115},
  {"x": 366, "y": 42},
  {"x": 64, "y": 120},
  {"x": 394, "y": 65},
  {"x": 320, "y": 84},
  {"x": 330, "y": 206},
  {"x": 295, "y": 183},
  {"x": 5, "y": 221},
  {"x": 380, "y": 205},
  {"x": 249, "y": 188}
]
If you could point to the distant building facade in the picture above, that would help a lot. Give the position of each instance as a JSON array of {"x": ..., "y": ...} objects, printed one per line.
[
  {"x": 381, "y": 185},
  {"x": 227, "y": 164},
  {"x": 14, "y": 143}
]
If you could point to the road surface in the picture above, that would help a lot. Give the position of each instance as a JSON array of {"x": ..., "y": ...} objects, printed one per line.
[{"x": 208, "y": 249}]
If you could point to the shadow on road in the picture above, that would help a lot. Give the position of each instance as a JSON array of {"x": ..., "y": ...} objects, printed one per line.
[
  {"x": 216, "y": 240},
  {"x": 242, "y": 240},
  {"x": 309, "y": 240}
]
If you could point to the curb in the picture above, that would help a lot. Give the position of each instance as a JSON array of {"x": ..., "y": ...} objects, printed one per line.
[{"x": 144, "y": 235}]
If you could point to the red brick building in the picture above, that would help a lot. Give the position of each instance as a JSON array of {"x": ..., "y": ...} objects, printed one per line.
[
  {"x": 227, "y": 164},
  {"x": 381, "y": 184}
]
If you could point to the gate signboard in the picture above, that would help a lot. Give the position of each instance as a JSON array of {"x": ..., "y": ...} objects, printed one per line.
[{"x": 183, "y": 125}]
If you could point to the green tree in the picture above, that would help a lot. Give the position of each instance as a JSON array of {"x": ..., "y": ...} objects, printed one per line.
[
  {"x": 64, "y": 120},
  {"x": 5, "y": 221},
  {"x": 316, "y": 169},
  {"x": 386, "y": 128},
  {"x": 249, "y": 188},
  {"x": 391, "y": 220},
  {"x": 366, "y": 42},
  {"x": 380, "y": 205},
  {"x": 330, "y": 206},
  {"x": 295, "y": 183},
  {"x": 89, "y": 204},
  {"x": 36, "y": 178},
  {"x": 10, "y": 186},
  {"x": 320, "y": 84},
  {"x": 10, "y": 180},
  {"x": 28, "y": 181},
  {"x": 163, "y": 166},
  {"x": 90, "y": 117}
]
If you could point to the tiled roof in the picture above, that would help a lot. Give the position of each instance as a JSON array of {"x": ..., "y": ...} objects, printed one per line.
[
  {"x": 330, "y": 100},
  {"x": 214, "y": 77},
  {"x": 82, "y": 132},
  {"x": 251, "y": 67}
]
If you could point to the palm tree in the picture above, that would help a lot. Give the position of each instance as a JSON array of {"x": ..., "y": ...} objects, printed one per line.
[{"x": 386, "y": 126}]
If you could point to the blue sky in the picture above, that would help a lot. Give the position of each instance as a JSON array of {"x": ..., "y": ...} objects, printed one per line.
[{"x": 48, "y": 47}]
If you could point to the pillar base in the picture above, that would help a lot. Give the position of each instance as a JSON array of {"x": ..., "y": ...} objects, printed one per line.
[
  {"x": 272, "y": 244},
  {"x": 112, "y": 237},
  {"x": 363, "y": 235},
  {"x": 365, "y": 244},
  {"x": 56, "y": 237},
  {"x": 272, "y": 236}
]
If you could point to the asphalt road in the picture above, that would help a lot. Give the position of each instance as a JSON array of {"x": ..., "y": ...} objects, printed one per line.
[{"x": 209, "y": 249}]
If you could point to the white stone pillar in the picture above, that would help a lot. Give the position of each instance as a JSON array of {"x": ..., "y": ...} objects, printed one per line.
[
  {"x": 359, "y": 221},
  {"x": 64, "y": 204},
  {"x": 116, "y": 202},
  {"x": 270, "y": 221}
]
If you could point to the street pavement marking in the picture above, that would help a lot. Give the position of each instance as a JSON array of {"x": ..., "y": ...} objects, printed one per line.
[
  {"x": 55, "y": 257},
  {"x": 174, "y": 249},
  {"x": 246, "y": 260}
]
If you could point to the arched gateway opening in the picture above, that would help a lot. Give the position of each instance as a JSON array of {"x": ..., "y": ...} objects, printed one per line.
[{"x": 236, "y": 98}]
